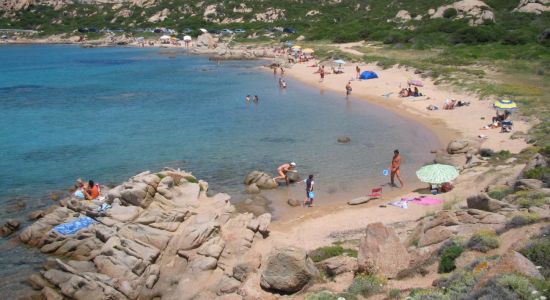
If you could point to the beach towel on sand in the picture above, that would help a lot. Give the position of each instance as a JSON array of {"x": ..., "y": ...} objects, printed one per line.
[
  {"x": 427, "y": 201},
  {"x": 74, "y": 226}
]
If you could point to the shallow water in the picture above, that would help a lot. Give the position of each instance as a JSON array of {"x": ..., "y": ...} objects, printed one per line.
[{"x": 110, "y": 113}]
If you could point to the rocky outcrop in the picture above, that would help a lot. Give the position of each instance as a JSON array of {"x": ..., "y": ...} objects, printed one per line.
[
  {"x": 477, "y": 11},
  {"x": 381, "y": 251},
  {"x": 338, "y": 265},
  {"x": 163, "y": 237},
  {"x": 533, "y": 6},
  {"x": 459, "y": 146},
  {"x": 9, "y": 227},
  {"x": 261, "y": 179},
  {"x": 288, "y": 270},
  {"x": 484, "y": 202},
  {"x": 510, "y": 262},
  {"x": 403, "y": 15}
]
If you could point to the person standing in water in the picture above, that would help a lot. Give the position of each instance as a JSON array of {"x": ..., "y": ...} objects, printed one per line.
[
  {"x": 309, "y": 190},
  {"x": 247, "y": 98},
  {"x": 322, "y": 73},
  {"x": 395, "y": 168},
  {"x": 348, "y": 89},
  {"x": 256, "y": 99}
]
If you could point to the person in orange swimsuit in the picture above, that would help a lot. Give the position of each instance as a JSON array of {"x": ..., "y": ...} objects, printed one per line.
[
  {"x": 92, "y": 191},
  {"x": 394, "y": 168}
]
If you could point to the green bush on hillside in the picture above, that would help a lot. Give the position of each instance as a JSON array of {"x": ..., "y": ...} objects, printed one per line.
[
  {"x": 539, "y": 253},
  {"x": 366, "y": 285},
  {"x": 483, "y": 241},
  {"x": 447, "y": 261},
  {"x": 450, "y": 13},
  {"x": 537, "y": 173},
  {"x": 326, "y": 252}
]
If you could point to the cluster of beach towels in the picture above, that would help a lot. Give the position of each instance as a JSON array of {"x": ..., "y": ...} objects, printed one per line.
[{"x": 422, "y": 200}]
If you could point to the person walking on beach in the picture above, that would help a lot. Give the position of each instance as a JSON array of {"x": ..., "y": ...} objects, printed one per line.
[
  {"x": 394, "y": 168},
  {"x": 283, "y": 169},
  {"x": 322, "y": 73},
  {"x": 309, "y": 191},
  {"x": 358, "y": 71},
  {"x": 348, "y": 89}
]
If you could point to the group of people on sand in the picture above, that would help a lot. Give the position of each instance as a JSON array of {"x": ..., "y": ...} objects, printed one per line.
[
  {"x": 449, "y": 104},
  {"x": 284, "y": 169},
  {"x": 86, "y": 190},
  {"x": 501, "y": 120},
  {"x": 410, "y": 92}
]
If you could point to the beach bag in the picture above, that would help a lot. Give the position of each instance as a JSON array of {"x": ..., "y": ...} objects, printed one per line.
[{"x": 311, "y": 195}]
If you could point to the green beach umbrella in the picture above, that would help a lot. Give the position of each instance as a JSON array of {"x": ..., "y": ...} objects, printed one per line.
[
  {"x": 505, "y": 104},
  {"x": 437, "y": 173}
]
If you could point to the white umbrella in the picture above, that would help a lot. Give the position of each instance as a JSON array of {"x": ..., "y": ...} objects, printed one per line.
[
  {"x": 339, "y": 61},
  {"x": 187, "y": 38},
  {"x": 165, "y": 37},
  {"x": 203, "y": 30}
]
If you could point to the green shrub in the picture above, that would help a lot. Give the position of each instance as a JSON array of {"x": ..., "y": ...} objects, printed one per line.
[
  {"x": 522, "y": 219},
  {"x": 520, "y": 285},
  {"x": 366, "y": 285},
  {"x": 327, "y": 295},
  {"x": 447, "y": 261},
  {"x": 394, "y": 294},
  {"x": 450, "y": 13},
  {"x": 483, "y": 241},
  {"x": 323, "y": 253},
  {"x": 427, "y": 294},
  {"x": 500, "y": 194},
  {"x": 502, "y": 155},
  {"x": 537, "y": 173},
  {"x": 191, "y": 179},
  {"x": 545, "y": 150},
  {"x": 539, "y": 253}
]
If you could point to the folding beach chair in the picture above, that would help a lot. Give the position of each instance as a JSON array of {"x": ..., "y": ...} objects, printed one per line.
[{"x": 375, "y": 193}]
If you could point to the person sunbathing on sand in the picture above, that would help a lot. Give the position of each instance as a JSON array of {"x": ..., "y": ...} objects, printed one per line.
[
  {"x": 404, "y": 93},
  {"x": 449, "y": 104},
  {"x": 283, "y": 169}
]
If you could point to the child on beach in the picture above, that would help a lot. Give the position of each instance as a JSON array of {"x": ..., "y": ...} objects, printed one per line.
[
  {"x": 309, "y": 191},
  {"x": 348, "y": 88}
]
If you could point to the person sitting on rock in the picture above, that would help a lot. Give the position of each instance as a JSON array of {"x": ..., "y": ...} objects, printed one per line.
[
  {"x": 92, "y": 191},
  {"x": 283, "y": 169}
]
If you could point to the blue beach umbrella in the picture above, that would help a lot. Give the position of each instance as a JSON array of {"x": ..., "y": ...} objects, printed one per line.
[{"x": 368, "y": 75}]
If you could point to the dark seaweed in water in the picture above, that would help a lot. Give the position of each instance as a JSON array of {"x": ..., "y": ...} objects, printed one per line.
[
  {"x": 24, "y": 88},
  {"x": 278, "y": 140},
  {"x": 59, "y": 153},
  {"x": 107, "y": 62}
]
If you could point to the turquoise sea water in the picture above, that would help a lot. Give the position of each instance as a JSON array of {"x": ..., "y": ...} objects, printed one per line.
[{"x": 109, "y": 113}]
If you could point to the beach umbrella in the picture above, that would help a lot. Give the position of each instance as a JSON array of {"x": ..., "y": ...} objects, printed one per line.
[
  {"x": 203, "y": 30},
  {"x": 437, "y": 173},
  {"x": 505, "y": 104},
  {"x": 187, "y": 38},
  {"x": 165, "y": 37},
  {"x": 415, "y": 82},
  {"x": 308, "y": 51},
  {"x": 296, "y": 47},
  {"x": 339, "y": 61},
  {"x": 368, "y": 75}
]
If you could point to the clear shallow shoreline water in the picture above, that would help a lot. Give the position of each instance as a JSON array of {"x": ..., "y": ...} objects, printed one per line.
[{"x": 110, "y": 113}]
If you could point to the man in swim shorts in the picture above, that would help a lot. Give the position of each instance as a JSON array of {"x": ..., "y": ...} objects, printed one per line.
[
  {"x": 283, "y": 169},
  {"x": 394, "y": 168}
]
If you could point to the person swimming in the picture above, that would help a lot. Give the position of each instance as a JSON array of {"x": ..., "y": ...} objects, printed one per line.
[{"x": 256, "y": 99}]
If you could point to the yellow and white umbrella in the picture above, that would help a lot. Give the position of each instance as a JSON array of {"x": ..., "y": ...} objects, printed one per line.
[
  {"x": 308, "y": 51},
  {"x": 296, "y": 47},
  {"x": 505, "y": 104}
]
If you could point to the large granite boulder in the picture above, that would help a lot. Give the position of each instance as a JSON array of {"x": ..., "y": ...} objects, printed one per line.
[
  {"x": 261, "y": 179},
  {"x": 434, "y": 236},
  {"x": 459, "y": 146},
  {"x": 380, "y": 250},
  {"x": 484, "y": 202},
  {"x": 338, "y": 265},
  {"x": 288, "y": 270},
  {"x": 528, "y": 184},
  {"x": 34, "y": 235},
  {"x": 206, "y": 40}
]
